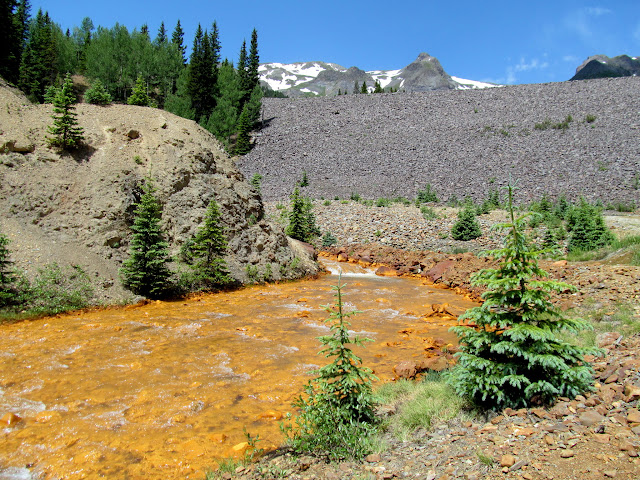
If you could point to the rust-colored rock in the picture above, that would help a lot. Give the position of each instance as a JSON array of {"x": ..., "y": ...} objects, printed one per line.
[
  {"x": 9, "y": 419},
  {"x": 407, "y": 369},
  {"x": 434, "y": 274},
  {"x": 385, "y": 271},
  {"x": 437, "y": 364}
]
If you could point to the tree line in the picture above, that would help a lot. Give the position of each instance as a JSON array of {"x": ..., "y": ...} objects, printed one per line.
[{"x": 35, "y": 55}]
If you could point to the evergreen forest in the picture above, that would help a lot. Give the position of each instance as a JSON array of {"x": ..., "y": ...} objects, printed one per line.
[{"x": 136, "y": 67}]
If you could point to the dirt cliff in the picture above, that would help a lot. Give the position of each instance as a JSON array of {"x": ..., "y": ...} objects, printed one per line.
[{"x": 76, "y": 208}]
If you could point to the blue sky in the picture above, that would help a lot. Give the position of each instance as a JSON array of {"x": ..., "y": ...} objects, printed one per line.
[{"x": 499, "y": 41}]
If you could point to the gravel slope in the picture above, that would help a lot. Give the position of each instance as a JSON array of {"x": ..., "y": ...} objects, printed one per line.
[{"x": 462, "y": 142}]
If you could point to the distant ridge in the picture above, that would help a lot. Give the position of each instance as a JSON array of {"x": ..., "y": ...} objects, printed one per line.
[
  {"x": 601, "y": 66},
  {"x": 329, "y": 79}
]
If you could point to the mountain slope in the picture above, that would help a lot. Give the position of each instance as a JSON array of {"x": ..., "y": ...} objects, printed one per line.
[
  {"x": 327, "y": 79},
  {"x": 461, "y": 142}
]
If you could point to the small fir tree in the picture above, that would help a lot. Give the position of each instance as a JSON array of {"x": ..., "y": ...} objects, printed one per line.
[
  {"x": 588, "y": 230},
  {"x": 510, "y": 356},
  {"x": 364, "y": 88},
  {"x": 467, "y": 227},
  {"x": 139, "y": 95},
  {"x": 96, "y": 94},
  {"x": 305, "y": 179},
  {"x": 145, "y": 272},
  {"x": 256, "y": 182},
  {"x": 337, "y": 415},
  {"x": 296, "y": 228},
  {"x": 8, "y": 291},
  {"x": 208, "y": 249},
  {"x": 243, "y": 144},
  {"x": 65, "y": 130}
]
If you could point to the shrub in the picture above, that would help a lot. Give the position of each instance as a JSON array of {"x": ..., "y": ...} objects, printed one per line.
[
  {"x": 256, "y": 182},
  {"x": 467, "y": 227},
  {"x": 355, "y": 197},
  {"x": 427, "y": 195},
  {"x": 337, "y": 416},
  {"x": 383, "y": 202},
  {"x": 428, "y": 213},
  {"x": 97, "y": 94},
  {"x": 510, "y": 355},
  {"x": 590, "y": 118},
  {"x": 328, "y": 239},
  {"x": 57, "y": 289}
]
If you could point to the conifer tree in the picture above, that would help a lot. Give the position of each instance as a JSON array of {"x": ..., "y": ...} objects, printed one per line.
[
  {"x": 378, "y": 87},
  {"x": 65, "y": 130},
  {"x": 337, "y": 416},
  {"x": 296, "y": 228},
  {"x": 38, "y": 62},
  {"x": 97, "y": 94},
  {"x": 177, "y": 38},
  {"x": 208, "y": 249},
  {"x": 243, "y": 144},
  {"x": 7, "y": 275},
  {"x": 161, "y": 38},
  {"x": 253, "y": 61},
  {"x": 588, "y": 230},
  {"x": 200, "y": 79},
  {"x": 510, "y": 356},
  {"x": 139, "y": 94},
  {"x": 364, "y": 89},
  {"x": 145, "y": 272},
  {"x": 466, "y": 227}
]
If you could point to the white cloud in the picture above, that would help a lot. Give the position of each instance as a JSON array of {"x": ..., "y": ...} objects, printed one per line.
[
  {"x": 597, "y": 11},
  {"x": 524, "y": 66},
  {"x": 570, "y": 59}
]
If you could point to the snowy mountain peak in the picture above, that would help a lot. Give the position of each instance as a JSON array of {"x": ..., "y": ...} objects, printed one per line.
[{"x": 322, "y": 78}]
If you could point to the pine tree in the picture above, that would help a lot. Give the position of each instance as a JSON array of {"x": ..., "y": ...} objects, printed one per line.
[
  {"x": 510, "y": 356},
  {"x": 364, "y": 88},
  {"x": 243, "y": 143},
  {"x": 97, "y": 94},
  {"x": 7, "y": 275},
  {"x": 253, "y": 62},
  {"x": 378, "y": 87},
  {"x": 161, "y": 38},
  {"x": 145, "y": 272},
  {"x": 65, "y": 130},
  {"x": 337, "y": 416},
  {"x": 588, "y": 230},
  {"x": 296, "y": 228},
  {"x": 38, "y": 62},
  {"x": 208, "y": 249},
  {"x": 177, "y": 38},
  {"x": 139, "y": 94},
  {"x": 466, "y": 227},
  {"x": 200, "y": 79}
]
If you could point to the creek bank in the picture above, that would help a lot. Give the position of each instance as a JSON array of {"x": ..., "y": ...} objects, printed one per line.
[
  {"x": 594, "y": 436},
  {"x": 601, "y": 284}
]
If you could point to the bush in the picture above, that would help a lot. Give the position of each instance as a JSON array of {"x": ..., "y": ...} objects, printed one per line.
[
  {"x": 428, "y": 195},
  {"x": 57, "y": 289},
  {"x": 467, "y": 227},
  {"x": 428, "y": 213},
  {"x": 337, "y": 416},
  {"x": 328, "y": 239},
  {"x": 510, "y": 356}
]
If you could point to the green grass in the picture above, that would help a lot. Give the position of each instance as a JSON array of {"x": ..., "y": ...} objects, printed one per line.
[
  {"x": 420, "y": 404},
  {"x": 628, "y": 246}
]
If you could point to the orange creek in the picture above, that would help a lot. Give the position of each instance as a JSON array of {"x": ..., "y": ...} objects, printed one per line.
[{"x": 161, "y": 390}]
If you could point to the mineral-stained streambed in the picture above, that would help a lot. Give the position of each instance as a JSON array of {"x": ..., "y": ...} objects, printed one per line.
[{"x": 160, "y": 391}]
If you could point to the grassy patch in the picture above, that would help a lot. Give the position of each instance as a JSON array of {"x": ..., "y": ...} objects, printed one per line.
[
  {"x": 420, "y": 404},
  {"x": 627, "y": 247}
]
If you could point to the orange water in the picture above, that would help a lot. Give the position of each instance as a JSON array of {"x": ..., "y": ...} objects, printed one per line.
[{"x": 162, "y": 390}]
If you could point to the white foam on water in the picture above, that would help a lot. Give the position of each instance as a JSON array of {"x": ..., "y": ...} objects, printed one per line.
[{"x": 16, "y": 473}]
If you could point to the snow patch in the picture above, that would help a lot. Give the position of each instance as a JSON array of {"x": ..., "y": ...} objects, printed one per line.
[{"x": 472, "y": 84}]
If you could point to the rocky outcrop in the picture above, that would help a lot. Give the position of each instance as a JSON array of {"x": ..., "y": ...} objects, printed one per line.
[
  {"x": 77, "y": 208},
  {"x": 601, "y": 66}
]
